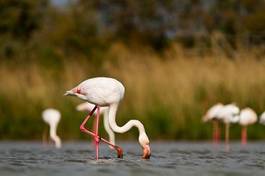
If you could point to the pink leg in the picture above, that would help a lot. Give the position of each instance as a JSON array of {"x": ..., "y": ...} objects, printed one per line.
[
  {"x": 96, "y": 132},
  {"x": 214, "y": 137},
  {"x": 244, "y": 135},
  {"x": 96, "y": 137},
  {"x": 216, "y": 132}
]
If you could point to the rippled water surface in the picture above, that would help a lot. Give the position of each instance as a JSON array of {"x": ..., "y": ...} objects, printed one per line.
[{"x": 169, "y": 159}]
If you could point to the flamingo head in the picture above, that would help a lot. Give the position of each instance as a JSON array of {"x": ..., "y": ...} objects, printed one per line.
[
  {"x": 69, "y": 93},
  {"x": 144, "y": 142},
  {"x": 76, "y": 92}
]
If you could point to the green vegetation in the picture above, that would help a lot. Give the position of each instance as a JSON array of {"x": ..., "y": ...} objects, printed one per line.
[
  {"x": 169, "y": 94},
  {"x": 170, "y": 80}
]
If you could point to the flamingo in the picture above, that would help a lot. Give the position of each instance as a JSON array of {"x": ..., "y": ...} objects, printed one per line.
[
  {"x": 52, "y": 118},
  {"x": 103, "y": 110},
  {"x": 229, "y": 114},
  {"x": 104, "y": 91},
  {"x": 262, "y": 118},
  {"x": 247, "y": 117},
  {"x": 213, "y": 115}
]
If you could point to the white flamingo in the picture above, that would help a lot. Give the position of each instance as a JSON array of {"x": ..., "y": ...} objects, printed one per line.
[
  {"x": 213, "y": 115},
  {"x": 52, "y": 118},
  {"x": 103, "y": 110},
  {"x": 229, "y": 114},
  {"x": 103, "y": 91},
  {"x": 262, "y": 118},
  {"x": 247, "y": 117}
]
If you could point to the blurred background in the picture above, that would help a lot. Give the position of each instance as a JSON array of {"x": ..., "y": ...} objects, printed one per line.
[{"x": 176, "y": 58}]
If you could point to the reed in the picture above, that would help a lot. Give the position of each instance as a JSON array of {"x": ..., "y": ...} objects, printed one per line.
[{"x": 169, "y": 92}]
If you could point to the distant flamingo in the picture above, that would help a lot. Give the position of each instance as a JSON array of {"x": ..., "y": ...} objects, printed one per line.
[
  {"x": 103, "y": 110},
  {"x": 213, "y": 115},
  {"x": 262, "y": 118},
  {"x": 247, "y": 117},
  {"x": 52, "y": 118},
  {"x": 103, "y": 91},
  {"x": 229, "y": 114}
]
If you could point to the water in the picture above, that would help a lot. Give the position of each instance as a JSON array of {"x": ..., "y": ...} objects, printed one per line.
[{"x": 169, "y": 159}]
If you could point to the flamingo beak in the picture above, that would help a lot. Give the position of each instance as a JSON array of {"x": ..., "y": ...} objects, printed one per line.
[
  {"x": 146, "y": 152},
  {"x": 69, "y": 92}
]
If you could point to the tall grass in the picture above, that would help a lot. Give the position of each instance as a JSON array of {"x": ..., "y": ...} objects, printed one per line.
[{"x": 169, "y": 93}]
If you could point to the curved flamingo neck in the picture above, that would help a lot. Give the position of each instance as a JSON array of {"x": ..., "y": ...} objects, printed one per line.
[
  {"x": 54, "y": 136},
  {"x": 108, "y": 128},
  {"x": 112, "y": 120}
]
